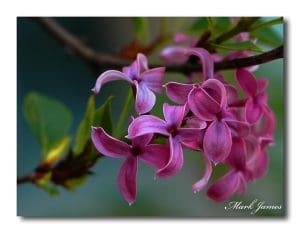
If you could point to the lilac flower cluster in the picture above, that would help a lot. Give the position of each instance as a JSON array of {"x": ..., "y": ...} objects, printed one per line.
[{"x": 209, "y": 117}]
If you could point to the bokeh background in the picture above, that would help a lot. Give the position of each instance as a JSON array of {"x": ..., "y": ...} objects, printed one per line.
[{"x": 43, "y": 65}]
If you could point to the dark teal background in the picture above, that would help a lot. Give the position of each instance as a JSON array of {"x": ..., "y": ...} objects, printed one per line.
[{"x": 43, "y": 65}]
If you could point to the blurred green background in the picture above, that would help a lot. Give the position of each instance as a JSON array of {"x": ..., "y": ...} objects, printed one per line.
[{"x": 43, "y": 65}]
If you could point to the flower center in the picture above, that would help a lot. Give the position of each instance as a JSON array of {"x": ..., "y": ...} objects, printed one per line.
[
  {"x": 136, "y": 151},
  {"x": 172, "y": 129}
]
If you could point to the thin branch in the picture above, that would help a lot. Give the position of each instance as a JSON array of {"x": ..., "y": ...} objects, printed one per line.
[
  {"x": 28, "y": 178},
  {"x": 109, "y": 62}
]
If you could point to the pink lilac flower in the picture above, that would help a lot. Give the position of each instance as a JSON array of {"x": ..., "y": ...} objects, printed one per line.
[
  {"x": 154, "y": 154},
  {"x": 209, "y": 103},
  {"x": 256, "y": 95},
  {"x": 173, "y": 115},
  {"x": 144, "y": 81}
]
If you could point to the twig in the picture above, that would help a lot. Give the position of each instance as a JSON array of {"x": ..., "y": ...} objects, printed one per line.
[{"x": 109, "y": 62}]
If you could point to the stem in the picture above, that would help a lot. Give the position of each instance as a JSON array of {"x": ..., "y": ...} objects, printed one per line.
[
  {"x": 100, "y": 60},
  {"x": 124, "y": 114}
]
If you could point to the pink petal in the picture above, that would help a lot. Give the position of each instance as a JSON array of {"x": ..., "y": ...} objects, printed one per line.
[
  {"x": 178, "y": 92},
  {"x": 174, "y": 55},
  {"x": 107, "y": 76},
  {"x": 188, "y": 134},
  {"x": 216, "y": 90},
  {"x": 262, "y": 84},
  {"x": 243, "y": 184},
  {"x": 182, "y": 38},
  {"x": 175, "y": 162},
  {"x": 253, "y": 111},
  {"x": 142, "y": 63},
  {"x": 262, "y": 98},
  {"x": 247, "y": 82},
  {"x": 258, "y": 164},
  {"x": 266, "y": 125},
  {"x": 203, "y": 105},
  {"x": 237, "y": 155},
  {"x": 145, "y": 99},
  {"x": 224, "y": 187},
  {"x": 196, "y": 144},
  {"x": 238, "y": 128},
  {"x": 153, "y": 78},
  {"x": 198, "y": 186},
  {"x": 206, "y": 61},
  {"x": 127, "y": 179},
  {"x": 143, "y": 140},
  {"x": 108, "y": 145},
  {"x": 173, "y": 115},
  {"x": 195, "y": 122},
  {"x": 147, "y": 124},
  {"x": 217, "y": 141},
  {"x": 156, "y": 155},
  {"x": 232, "y": 94}
]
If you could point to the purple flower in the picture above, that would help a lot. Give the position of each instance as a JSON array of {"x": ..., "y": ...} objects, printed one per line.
[
  {"x": 234, "y": 180},
  {"x": 174, "y": 115},
  {"x": 209, "y": 103},
  {"x": 153, "y": 154},
  {"x": 255, "y": 92},
  {"x": 143, "y": 80}
]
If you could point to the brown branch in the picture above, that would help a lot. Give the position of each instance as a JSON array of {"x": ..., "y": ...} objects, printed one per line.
[
  {"x": 28, "y": 178},
  {"x": 102, "y": 61}
]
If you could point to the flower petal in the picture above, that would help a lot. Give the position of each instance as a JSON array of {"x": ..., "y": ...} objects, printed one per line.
[
  {"x": 175, "y": 162},
  {"x": 262, "y": 84},
  {"x": 145, "y": 98},
  {"x": 173, "y": 115},
  {"x": 188, "y": 134},
  {"x": 258, "y": 164},
  {"x": 253, "y": 111},
  {"x": 147, "y": 124},
  {"x": 143, "y": 140},
  {"x": 108, "y": 145},
  {"x": 174, "y": 55},
  {"x": 197, "y": 187},
  {"x": 127, "y": 179},
  {"x": 142, "y": 63},
  {"x": 203, "y": 105},
  {"x": 224, "y": 187},
  {"x": 238, "y": 128},
  {"x": 247, "y": 82},
  {"x": 206, "y": 61},
  {"x": 107, "y": 76},
  {"x": 237, "y": 155},
  {"x": 156, "y": 155},
  {"x": 178, "y": 92},
  {"x": 216, "y": 90},
  {"x": 232, "y": 94},
  {"x": 195, "y": 122},
  {"x": 217, "y": 141},
  {"x": 153, "y": 78}
]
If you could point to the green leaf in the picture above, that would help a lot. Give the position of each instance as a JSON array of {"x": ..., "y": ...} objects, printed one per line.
[
  {"x": 266, "y": 34},
  {"x": 141, "y": 29},
  {"x": 48, "y": 119},
  {"x": 45, "y": 183},
  {"x": 103, "y": 117},
  {"x": 74, "y": 183},
  {"x": 57, "y": 151},
  {"x": 84, "y": 129},
  {"x": 200, "y": 24},
  {"x": 246, "y": 45},
  {"x": 262, "y": 25}
]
